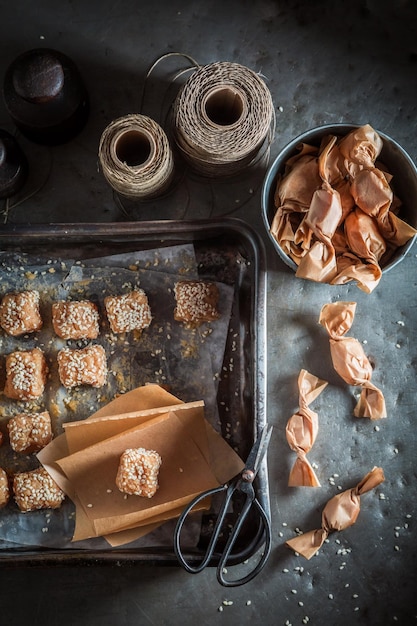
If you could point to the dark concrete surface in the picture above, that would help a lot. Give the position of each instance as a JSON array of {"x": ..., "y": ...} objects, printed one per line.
[{"x": 324, "y": 62}]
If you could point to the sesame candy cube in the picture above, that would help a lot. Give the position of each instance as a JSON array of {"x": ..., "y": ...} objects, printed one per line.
[
  {"x": 26, "y": 373},
  {"x": 138, "y": 471},
  {"x": 196, "y": 302},
  {"x": 75, "y": 319},
  {"x": 19, "y": 313},
  {"x": 128, "y": 312},
  {"x": 4, "y": 488},
  {"x": 86, "y": 366},
  {"x": 29, "y": 432},
  {"x": 36, "y": 490}
]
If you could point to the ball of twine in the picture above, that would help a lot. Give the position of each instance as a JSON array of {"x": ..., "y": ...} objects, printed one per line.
[
  {"x": 222, "y": 118},
  {"x": 135, "y": 157}
]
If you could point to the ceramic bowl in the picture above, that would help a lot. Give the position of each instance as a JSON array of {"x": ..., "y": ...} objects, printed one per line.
[{"x": 394, "y": 157}]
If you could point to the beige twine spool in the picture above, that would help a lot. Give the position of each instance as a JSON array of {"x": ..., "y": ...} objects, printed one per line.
[
  {"x": 223, "y": 116},
  {"x": 135, "y": 157}
]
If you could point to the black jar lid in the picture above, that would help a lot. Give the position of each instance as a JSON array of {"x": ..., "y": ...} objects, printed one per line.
[
  {"x": 13, "y": 165},
  {"x": 45, "y": 96}
]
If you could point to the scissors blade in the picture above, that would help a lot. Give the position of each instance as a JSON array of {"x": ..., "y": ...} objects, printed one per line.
[{"x": 258, "y": 450}]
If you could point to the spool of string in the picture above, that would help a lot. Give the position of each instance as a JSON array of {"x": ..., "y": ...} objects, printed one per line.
[
  {"x": 223, "y": 118},
  {"x": 135, "y": 157}
]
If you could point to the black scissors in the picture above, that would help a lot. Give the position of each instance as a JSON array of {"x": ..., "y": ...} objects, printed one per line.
[{"x": 242, "y": 483}]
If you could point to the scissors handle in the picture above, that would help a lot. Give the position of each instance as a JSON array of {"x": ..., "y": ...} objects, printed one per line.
[
  {"x": 267, "y": 543},
  {"x": 195, "y": 569},
  {"x": 265, "y": 529}
]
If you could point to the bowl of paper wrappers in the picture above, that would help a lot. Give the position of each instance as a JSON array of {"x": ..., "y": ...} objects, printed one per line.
[{"x": 339, "y": 203}]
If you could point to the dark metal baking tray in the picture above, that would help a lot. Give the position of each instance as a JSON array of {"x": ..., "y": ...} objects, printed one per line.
[{"x": 229, "y": 251}]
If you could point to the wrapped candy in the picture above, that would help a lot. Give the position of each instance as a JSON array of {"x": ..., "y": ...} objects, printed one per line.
[
  {"x": 349, "y": 359},
  {"x": 301, "y": 431},
  {"x": 340, "y": 512}
]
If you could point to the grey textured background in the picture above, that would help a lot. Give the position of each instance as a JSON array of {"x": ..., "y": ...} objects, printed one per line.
[{"x": 324, "y": 62}]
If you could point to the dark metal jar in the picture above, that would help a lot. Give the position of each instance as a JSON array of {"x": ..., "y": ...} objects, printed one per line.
[{"x": 45, "y": 96}]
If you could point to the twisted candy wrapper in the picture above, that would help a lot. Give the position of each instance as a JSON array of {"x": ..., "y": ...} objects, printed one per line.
[
  {"x": 301, "y": 431},
  {"x": 340, "y": 512},
  {"x": 349, "y": 359}
]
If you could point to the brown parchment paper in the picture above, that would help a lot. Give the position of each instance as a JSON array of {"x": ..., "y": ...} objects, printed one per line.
[
  {"x": 301, "y": 430},
  {"x": 184, "y": 473},
  {"x": 340, "y": 512},
  {"x": 93, "y": 441},
  {"x": 349, "y": 359}
]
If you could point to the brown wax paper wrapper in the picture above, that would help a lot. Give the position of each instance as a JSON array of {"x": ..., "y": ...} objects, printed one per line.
[
  {"x": 154, "y": 401},
  {"x": 95, "y": 429},
  {"x": 302, "y": 429},
  {"x": 143, "y": 398},
  {"x": 350, "y": 360},
  {"x": 339, "y": 189},
  {"x": 92, "y": 471},
  {"x": 340, "y": 512}
]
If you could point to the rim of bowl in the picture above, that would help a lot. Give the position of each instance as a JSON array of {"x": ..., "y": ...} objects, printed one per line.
[{"x": 312, "y": 135}]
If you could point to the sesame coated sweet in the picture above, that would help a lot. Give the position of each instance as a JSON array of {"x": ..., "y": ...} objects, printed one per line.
[
  {"x": 128, "y": 311},
  {"x": 19, "y": 313},
  {"x": 86, "y": 366},
  {"x": 4, "y": 488},
  {"x": 29, "y": 432},
  {"x": 196, "y": 302},
  {"x": 75, "y": 319},
  {"x": 36, "y": 490},
  {"x": 26, "y": 373},
  {"x": 138, "y": 470}
]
